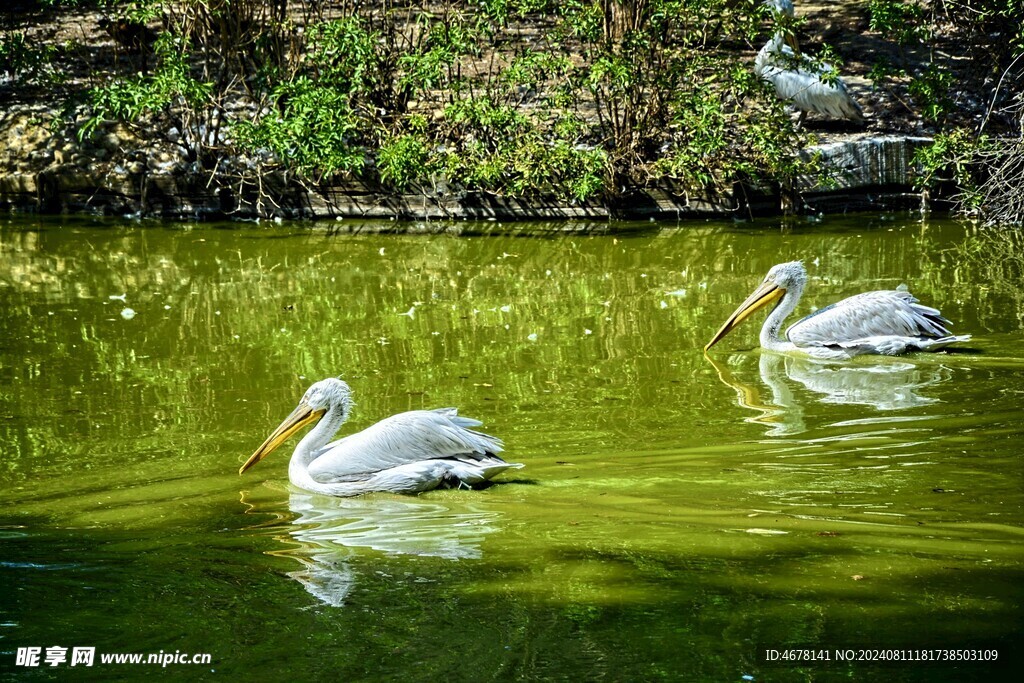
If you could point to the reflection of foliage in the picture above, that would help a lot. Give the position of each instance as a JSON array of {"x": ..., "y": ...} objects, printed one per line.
[
  {"x": 952, "y": 268},
  {"x": 996, "y": 257},
  {"x": 255, "y": 316},
  {"x": 249, "y": 314}
]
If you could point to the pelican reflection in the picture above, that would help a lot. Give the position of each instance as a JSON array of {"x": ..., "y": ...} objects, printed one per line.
[
  {"x": 793, "y": 381},
  {"x": 328, "y": 533}
]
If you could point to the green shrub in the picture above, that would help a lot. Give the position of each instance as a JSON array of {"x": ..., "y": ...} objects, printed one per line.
[
  {"x": 404, "y": 160},
  {"x": 611, "y": 94},
  {"x": 930, "y": 91},
  {"x": 129, "y": 99},
  {"x": 28, "y": 63}
]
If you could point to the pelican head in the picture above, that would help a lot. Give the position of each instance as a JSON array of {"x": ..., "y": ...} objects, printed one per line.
[
  {"x": 782, "y": 12},
  {"x": 315, "y": 403},
  {"x": 780, "y": 7},
  {"x": 779, "y": 280}
]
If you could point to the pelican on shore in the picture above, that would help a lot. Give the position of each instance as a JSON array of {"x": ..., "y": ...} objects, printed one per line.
[
  {"x": 885, "y": 323},
  {"x": 415, "y": 451},
  {"x": 806, "y": 84}
]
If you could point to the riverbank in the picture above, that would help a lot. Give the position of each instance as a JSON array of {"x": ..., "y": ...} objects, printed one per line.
[
  {"x": 516, "y": 120},
  {"x": 867, "y": 174}
]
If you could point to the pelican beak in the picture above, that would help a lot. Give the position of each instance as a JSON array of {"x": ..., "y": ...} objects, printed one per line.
[
  {"x": 767, "y": 293},
  {"x": 792, "y": 42},
  {"x": 300, "y": 417}
]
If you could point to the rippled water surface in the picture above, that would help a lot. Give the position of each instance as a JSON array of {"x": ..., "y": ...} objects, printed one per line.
[{"x": 676, "y": 516}]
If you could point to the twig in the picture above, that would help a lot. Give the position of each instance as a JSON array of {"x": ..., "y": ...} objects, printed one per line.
[{"x": 995, "y": 94}]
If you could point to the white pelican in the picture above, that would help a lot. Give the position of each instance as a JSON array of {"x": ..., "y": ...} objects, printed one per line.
[
  {"x": 808, "y": 85},
  {"x": 410, "y": 452},
  {"x": 886, "y": 322}
]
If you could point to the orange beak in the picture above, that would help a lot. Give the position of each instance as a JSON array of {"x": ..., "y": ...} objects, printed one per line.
[
  {"x": 300, "y": 417},
  {"x": 767, "y": 293}
]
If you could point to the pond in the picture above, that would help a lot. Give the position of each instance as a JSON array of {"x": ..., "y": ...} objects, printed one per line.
[{"x": 677, "y": 515}]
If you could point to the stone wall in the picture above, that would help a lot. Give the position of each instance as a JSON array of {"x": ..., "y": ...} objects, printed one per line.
[{"x": 870, "y": 173}]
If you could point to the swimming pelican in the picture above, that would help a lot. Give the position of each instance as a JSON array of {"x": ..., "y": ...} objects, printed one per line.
[
  {"x": 410, "y": 452},
  {"x": 808, "y": 85},
  {"x": 886, "y": 322}
]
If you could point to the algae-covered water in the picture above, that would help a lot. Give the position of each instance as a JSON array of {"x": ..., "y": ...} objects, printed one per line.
[{"x": 677, "y": 516}]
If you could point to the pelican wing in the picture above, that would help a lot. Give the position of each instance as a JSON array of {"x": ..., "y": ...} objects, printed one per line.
[
  {"x": 425, "y": 475},
  {"x": 871, "y": 314},
  {"x": 404, "y": 439},
  {"x": 809, "y": 92},
  {"x": 809, "y": 86}
]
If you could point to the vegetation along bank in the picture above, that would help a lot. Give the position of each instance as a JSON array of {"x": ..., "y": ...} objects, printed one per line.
[{"x": 508, "y": 108}]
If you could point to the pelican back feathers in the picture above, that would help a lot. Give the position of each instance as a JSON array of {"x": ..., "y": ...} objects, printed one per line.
[{"x": 807, "y": 85}]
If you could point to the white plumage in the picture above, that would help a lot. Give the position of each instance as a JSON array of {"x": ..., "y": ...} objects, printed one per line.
[
  {"x": 884, "y": 322},
  {"x": 799, "y": 80},
  {"x": 415, "y": 451}
]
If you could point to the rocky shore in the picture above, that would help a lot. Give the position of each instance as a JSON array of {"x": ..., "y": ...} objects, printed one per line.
[{"x": 115, "y": 172}]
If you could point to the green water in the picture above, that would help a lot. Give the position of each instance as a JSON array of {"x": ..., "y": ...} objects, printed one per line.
[{"x": 675, "y": 515}]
